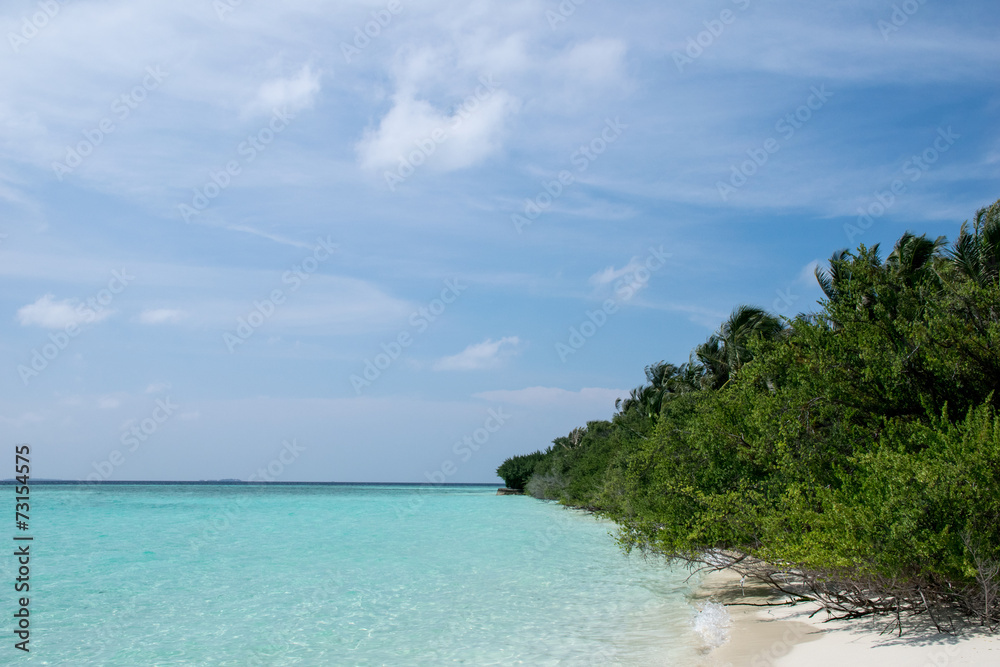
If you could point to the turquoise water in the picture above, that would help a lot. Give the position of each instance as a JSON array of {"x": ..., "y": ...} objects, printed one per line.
[{"x": 336, "y": 575}]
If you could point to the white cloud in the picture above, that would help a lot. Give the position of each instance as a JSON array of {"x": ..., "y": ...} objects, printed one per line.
[
  {"x": 108, "y": 403},
  {"x": 292, "y": 94},
  {"x": 596, "y": 61},
  {"x": 157, "y": 387},
  {"x": 552, "y": 396},
  {"x": 479, "y": 356},
  {"x": 333, "y": 304},
  {"x": 51, "y": 314},
  {"x": 627, "y": 279},
  {"x": 611, "y": 274},
  {"x": 807, "y": 276},
  {"x": 161, "y": 316},
  {"x": 24, "y": 419},
  {"x": 448, "y": 141},
  {"x": 700, "y": 315},
  {"x": 277, "y": 238}
]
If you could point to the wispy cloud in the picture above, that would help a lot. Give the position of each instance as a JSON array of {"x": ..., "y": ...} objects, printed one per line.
[
  {"x": 599, "y": 61},
  {"x": 48, "y": 313},
  {"x": 291, "y": 93},
  {"x": 162, "y": 316},
  {"x": 807, "y": 276},
  {"x": 549, "y": 396},
  {"x": 277, "y": 238},
  {"x": 629, "y": 279},
  {"x": 610, "y": 274},
  {"x": 479, "y": 356},
  {"x": 108, "y": 403}
]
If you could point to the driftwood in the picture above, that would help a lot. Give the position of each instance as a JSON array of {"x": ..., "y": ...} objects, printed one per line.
[{"x": 845, "y": 595}]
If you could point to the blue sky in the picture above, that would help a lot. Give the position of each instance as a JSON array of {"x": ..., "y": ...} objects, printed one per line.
[{"x": 394, "y": 241}]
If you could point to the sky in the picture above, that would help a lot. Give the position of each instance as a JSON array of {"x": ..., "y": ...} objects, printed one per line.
[{"x": 390, "y": 241}]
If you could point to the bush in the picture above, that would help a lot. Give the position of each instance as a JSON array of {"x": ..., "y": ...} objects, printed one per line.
[
  {"x": 851, "y": 455},
  {"x": 516, "y": 470},
  {"x": 546, "y": 486}
]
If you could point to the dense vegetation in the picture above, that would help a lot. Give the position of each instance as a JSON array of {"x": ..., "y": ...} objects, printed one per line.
[
  {"x": 851, "y": 455},
  {"x": 517, "y": 470}
]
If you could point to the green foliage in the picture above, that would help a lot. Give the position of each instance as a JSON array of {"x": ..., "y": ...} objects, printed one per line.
[
  {"x": 573, "y": 468},
  {"x": 516, "y": 470},
  {"x": 976, "y": 253},
  {"x": 726, "y": 351},
  {"x": 861, "y": 441}
]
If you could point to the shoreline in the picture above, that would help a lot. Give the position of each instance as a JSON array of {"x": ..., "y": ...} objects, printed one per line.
[{"x": 786, "y": 636}]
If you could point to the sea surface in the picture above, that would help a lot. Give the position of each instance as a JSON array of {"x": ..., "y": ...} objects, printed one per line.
[{"x": 335, "y": 575}]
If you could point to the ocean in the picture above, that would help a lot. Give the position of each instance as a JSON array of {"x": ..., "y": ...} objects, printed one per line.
[{"x": 335, "y": 575}]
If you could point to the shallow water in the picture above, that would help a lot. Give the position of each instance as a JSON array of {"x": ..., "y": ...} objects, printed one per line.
[{"x": 337, "y": 575}]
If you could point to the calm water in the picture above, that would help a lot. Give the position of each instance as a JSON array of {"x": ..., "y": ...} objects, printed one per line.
[{"x": 335, "y": 575}]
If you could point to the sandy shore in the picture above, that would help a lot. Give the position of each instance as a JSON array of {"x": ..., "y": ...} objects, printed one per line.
[{"x": 785, "y": 636}]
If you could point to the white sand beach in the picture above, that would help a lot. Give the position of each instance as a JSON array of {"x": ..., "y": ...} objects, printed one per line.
[{"x": 786, "y": 636}]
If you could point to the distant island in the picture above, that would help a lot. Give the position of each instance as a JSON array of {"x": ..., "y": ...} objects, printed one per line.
[{"x": 849, "y": 456}]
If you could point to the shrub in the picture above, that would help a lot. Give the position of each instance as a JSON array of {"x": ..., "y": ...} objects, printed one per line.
[{"x": 516, "y": 470}]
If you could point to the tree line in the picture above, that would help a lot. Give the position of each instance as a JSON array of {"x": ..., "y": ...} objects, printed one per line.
[{"x": 849, "y": 455}]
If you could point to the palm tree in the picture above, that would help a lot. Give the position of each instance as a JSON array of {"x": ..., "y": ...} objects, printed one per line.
[
  {"x": 911, "y": 260},
  {"x": 913, "y": 256},
  {"x": 666, "y": 380},
  {"x": 726, "y": 351},
  {"x": 976, "y": 253},
  {"x": 714, "y": 359},
  {"x": 658, "y": 375},
  {"x": 663, "y": 381},
  {"x": 648, "y": 399},
  {"x": 832, "y": 282},
  {"x": 633, "y": 402}
]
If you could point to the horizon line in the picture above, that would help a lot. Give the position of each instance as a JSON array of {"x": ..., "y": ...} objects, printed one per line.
[{"x": 233, "y": 482}]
